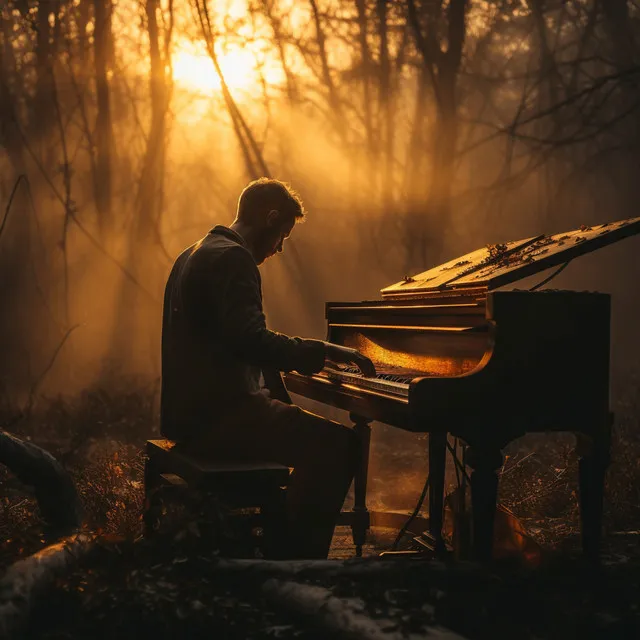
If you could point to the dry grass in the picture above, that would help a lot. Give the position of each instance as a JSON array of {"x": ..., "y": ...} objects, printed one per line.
[{"x": 99, "y": 437}]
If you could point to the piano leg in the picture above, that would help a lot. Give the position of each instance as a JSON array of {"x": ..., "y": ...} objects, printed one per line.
[
  {"x": 485, "y": 463},
  {"x": 594, "y": 461},
  {"x": 437, "y": 466},
  {"x": 360, "y": 523}
]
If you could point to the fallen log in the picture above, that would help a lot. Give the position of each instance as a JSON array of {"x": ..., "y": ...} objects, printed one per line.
[
  {"x": 434, "y": 573},
  {"x": 344, "y": 617},
  {"x": 54, "y": 489},
  {"x": 27, "y": 578}
]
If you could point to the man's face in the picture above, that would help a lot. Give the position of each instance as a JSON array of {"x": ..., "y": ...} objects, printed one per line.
[{"x": 276, "y": 231}]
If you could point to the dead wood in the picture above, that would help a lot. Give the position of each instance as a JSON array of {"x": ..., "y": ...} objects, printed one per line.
[
  {"x": 54, "y": 489},
  {"x": 436, "y": 574},
  {"x": 345, "y": 617},
  {"x": 27, "y": 578}
]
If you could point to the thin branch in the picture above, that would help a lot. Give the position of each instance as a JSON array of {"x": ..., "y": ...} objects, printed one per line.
[
  {"x": 19, "y": 179},
  {"x": 588, "y": 91}
]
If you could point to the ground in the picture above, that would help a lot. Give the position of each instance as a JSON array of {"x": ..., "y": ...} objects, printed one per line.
[
  {"x": 130, "y": 588},
  {"x": 132, "y": 591}
]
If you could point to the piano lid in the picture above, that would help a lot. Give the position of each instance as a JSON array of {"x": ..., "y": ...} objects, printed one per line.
[
  {"x": 501, "y": 264},
  {"x": 439, "y": 277}
]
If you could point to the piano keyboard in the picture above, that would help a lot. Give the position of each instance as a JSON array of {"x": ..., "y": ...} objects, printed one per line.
[{"x": 384, "y": 381}]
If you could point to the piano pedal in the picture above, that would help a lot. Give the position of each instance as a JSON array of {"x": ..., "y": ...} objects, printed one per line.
[
  {"x": 400, "y": 554},
  {"x": 424, "y": 546},
  {"x": 429, "y": 544},
  {"x": 425, "y": 540}
]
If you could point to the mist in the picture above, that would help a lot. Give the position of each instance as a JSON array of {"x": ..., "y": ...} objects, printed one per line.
[{"x": 413, "y": 133}]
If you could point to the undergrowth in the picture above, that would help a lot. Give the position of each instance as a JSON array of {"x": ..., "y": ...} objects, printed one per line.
[{"x": 99, "y": 437}]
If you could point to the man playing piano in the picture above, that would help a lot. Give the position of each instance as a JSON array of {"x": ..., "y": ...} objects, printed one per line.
[{"x": 215, "y": 344}]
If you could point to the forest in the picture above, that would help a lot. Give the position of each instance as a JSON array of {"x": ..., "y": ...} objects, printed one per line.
[{"x": 414, "y": 131}]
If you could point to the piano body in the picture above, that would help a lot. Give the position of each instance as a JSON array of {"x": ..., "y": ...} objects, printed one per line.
[{"x": 454, "y": 355}]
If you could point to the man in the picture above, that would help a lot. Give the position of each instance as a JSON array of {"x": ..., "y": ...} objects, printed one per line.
[{"x": 215, "y": 344}]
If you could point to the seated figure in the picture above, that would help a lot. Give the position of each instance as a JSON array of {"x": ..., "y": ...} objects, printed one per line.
[{"x": 215, "y": 345}]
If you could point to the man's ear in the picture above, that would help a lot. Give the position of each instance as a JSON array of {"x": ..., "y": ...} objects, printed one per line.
[{"x": 273, "y": 217}]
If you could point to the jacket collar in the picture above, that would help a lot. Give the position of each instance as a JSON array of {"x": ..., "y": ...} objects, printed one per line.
[{"x": 229, "y": 233}]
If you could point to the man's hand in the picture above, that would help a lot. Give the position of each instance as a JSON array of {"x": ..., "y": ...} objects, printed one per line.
[{"x": 344, "y": 355}]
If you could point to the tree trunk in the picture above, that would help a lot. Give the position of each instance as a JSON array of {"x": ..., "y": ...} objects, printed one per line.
[
  {"x": 385, "y": 105},
  {"x": 279, "y": 41},
  {"x": 28, "y": 578},
  {"x": 54, "y": 489},
  {"x": 145, "y": 250},
  {"x": 413, "y": 190},
  {"x": 428, "y": 233},
  {"x": 342, "y": 617},
  {"x": 104, "y": 136},
  {"x": 43, "y": 117},
  {"x": 15, "y": 243},
  {"x": 149, "y": 201},
  {"x": 10, "y": 138},
  {"x": 621, "y": 32},
  {"x": 332, "y": 93},
  {"x": 365, "y": 72},
  {"x": 438, "y": 206}
]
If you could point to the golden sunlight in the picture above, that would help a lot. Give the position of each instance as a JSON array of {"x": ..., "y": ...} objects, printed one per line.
[{"x": 195, "y": 71}]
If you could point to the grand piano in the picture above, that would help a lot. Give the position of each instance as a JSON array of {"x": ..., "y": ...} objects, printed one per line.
[{"x": 457, "y": 353}]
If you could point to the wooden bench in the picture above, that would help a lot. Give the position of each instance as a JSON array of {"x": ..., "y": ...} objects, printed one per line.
[{"x": 170, "y": 473}]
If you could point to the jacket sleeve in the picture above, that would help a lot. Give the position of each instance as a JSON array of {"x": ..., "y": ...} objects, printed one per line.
[{"x": 243, "y": 326}]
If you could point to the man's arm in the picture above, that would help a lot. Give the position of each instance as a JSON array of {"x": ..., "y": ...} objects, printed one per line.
[{"x": 243, "y": 326}]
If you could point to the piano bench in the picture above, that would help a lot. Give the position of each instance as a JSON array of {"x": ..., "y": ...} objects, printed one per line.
[{"x": 173, "y": 476}]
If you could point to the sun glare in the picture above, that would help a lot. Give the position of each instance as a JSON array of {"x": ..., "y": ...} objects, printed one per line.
[{"x": 196, "y": 71}]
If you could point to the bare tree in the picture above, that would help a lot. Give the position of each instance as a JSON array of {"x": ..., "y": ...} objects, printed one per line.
[
  {"x": 104, "y": 139},
  {"x": 150, "y": 197},
  {"x": 425, "y": 232}
]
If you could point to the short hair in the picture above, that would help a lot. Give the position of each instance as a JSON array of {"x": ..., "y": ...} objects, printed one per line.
[{"x": 265, "y": 194}]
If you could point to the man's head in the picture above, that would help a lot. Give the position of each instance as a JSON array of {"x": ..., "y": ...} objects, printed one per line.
[{"x": 267, "y": 212}]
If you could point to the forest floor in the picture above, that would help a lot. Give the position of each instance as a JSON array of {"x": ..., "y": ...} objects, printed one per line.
[{"x": 171, "y": 588}]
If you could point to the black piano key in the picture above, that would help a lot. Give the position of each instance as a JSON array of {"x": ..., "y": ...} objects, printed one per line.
[{"x": 382, "y": 375}]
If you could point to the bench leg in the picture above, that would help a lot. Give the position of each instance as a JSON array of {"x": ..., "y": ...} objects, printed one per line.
[
  {"x": 158, "y": 489},
  {"x": 273, "y": 519},
  {"x": 152, "y": 502}
]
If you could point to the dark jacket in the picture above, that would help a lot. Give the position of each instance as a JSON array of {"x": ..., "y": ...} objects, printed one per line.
[{"x": 214, "y": 337}]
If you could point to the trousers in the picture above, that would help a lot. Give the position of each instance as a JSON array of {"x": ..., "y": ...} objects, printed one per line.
[{"x": 323, "y": 454}]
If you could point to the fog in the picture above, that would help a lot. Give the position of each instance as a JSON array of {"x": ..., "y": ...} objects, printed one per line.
[{"x": 413, "y": 135}]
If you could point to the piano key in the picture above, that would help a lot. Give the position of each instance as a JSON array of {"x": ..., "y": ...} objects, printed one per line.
[{"x": 357, "y": 379}]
